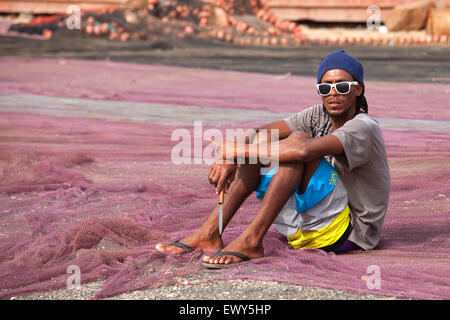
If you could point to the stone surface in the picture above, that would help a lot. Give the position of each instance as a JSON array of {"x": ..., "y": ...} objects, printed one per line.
[{"x": 408, "y": 17}]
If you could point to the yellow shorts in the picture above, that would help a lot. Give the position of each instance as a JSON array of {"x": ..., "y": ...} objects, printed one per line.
[{"x": 324, "y": 237}]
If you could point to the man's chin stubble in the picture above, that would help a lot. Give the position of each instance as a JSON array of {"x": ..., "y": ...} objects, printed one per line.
[{"x": 338, "y": 115}]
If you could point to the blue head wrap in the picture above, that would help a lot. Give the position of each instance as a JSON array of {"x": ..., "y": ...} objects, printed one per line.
[{"x": 342, "y": 60}]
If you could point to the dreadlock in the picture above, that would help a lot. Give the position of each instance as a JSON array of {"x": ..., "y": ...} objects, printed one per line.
[{"x": 361, "y": 103}]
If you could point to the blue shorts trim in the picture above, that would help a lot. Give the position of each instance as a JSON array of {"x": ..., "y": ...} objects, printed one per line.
[{"x": 320, "y": 185}]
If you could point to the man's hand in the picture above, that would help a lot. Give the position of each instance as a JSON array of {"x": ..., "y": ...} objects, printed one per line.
[
  {"x": 221, "y": 175},
  {"x": 227, "y": 152}
]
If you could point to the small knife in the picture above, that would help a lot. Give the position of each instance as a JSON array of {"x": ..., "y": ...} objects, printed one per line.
[{"x": 221, "y": 196}]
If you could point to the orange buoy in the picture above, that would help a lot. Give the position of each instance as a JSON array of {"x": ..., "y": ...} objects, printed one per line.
[
  {"x": 97, "y": 29},
  {"x": 114, "y": 35},
  {"x": 89, "y": 29},
  {"x": 334, "y": 40},
  {"x": 90, "y": 20},
  {"x": 125, "y": 37},
  {"x": 104, "y": 28},
  {"x": 292, "y": 26},
  {"x": 47, "y": 34},
  {"x": 189, "y": 30}
]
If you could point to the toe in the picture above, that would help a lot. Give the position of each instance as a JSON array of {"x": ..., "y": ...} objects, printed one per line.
[
  {"x": 218, "y": 259},
  {"x": 160, "y": 247},
  {"x": 169, "y": 248}
]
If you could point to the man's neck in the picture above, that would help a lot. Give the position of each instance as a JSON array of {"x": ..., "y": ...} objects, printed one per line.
[{"x": 337, "y": 122}]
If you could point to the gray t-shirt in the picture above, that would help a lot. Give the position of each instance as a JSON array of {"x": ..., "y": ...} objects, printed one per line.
[{"x": 363, "y": 168}]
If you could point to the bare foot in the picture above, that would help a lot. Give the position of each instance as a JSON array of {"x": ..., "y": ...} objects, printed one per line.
[
  {"x": 241, "y": 246},
  {"x": 195, "y": 240}
]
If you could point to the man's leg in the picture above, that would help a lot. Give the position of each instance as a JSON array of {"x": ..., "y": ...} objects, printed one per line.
[
  {"x": 208, "y": 237},
  {"x": 283, "y": 184}
]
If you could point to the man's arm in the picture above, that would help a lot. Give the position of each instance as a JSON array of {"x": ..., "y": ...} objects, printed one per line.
[
  {"x": 280, "y": 126},
  {"x": 220, "y": 173},
  {"x": 301, "y": 147},
  {"x": 297, "y": 147}
]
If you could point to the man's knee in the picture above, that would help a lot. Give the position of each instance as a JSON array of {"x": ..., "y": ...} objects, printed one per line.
[{"x": 247, "y": 176}]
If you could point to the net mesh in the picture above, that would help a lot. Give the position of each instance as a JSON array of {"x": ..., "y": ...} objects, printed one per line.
[{"x": 99, "y": 194}]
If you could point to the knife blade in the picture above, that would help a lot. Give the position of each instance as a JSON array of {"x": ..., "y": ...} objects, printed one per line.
[{"x": 221, "y": 197}]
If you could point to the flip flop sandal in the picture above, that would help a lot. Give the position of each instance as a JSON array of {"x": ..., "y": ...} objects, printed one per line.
[
  {"x": 182, "y": 245},
  {"x": 222, "y": 265}
]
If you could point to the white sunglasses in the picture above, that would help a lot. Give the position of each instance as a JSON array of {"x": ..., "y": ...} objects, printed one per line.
[{"x": 324, "y": 89}]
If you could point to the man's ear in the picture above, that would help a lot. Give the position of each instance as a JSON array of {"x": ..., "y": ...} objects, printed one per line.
[{"x": 359, "y": 89}]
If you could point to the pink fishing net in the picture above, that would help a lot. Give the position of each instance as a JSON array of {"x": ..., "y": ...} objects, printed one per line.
[
  {"x": 99, "y": 194},
  {"x": 210, "y": 88}
]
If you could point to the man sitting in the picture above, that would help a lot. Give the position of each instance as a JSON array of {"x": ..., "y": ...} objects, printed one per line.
[{"x": 330, "y": 189}]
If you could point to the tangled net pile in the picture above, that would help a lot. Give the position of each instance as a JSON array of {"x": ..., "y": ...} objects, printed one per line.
[
  {"x": 237, "y": 22},
  {"x": 240, "y": 22},
  {"x": 99, "y": 194}
]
